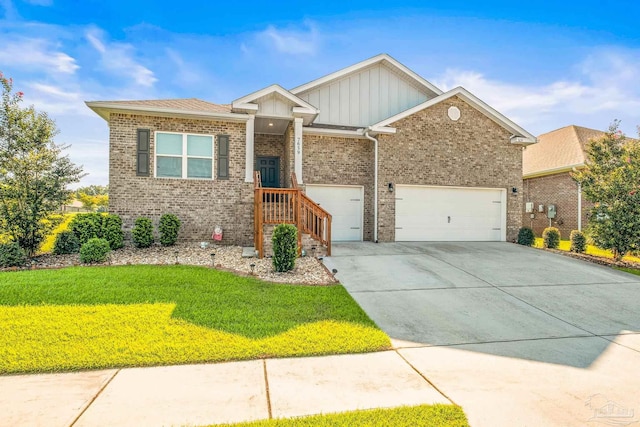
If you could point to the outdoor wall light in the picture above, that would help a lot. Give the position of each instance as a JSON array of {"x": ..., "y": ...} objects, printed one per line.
[
  {"x": 390, "y": 186},
  {"x": 213, "y": 260},
  {"x": 514, "y": 191}
]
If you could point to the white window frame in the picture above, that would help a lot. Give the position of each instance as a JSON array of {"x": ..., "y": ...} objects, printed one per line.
[{"x": 184, "y": 155}]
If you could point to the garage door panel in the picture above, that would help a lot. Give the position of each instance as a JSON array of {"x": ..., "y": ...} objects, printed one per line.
[
  {"x": 448, "y": 214},
  {"x": 345, "y": 204}
]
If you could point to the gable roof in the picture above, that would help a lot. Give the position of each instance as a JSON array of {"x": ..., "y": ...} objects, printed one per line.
[
  {"x": 520, "y": 136},
  {"x": 382, "y": 58},
  {"x": 558, "y": 151},
  {"x": 178, "y": 107}
]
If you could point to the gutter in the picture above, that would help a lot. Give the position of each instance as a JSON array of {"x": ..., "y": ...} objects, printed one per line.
[
  {"x": 104, "y": 108},
  {"x": 375, "y": 183}
]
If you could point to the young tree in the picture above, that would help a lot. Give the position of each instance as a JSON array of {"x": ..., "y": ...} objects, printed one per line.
[
  {"x": 611, "y": 179},
  {"x": 34, "y": 174}
]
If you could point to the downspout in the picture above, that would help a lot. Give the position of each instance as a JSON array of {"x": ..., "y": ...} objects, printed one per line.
[
  {"x": 579, "y": 202},
  {"x": 375, "y": 184}
]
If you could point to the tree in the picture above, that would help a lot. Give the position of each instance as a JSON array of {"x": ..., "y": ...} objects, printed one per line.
[
  {"x": 34, "y": 174},
  {"x": 611, "y": 180},
  {"x": 93, "y": 197}
]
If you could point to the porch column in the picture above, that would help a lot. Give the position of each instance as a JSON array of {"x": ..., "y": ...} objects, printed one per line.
[
  {"x": 297, "y": 141},
  {"x": 248, "y": 176}
]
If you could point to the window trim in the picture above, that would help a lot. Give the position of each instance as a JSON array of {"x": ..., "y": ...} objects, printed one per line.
[{"x": 184, "y": 157}]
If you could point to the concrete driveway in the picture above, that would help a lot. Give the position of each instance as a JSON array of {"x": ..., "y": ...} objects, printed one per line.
[{"x": 516, "y": 336}]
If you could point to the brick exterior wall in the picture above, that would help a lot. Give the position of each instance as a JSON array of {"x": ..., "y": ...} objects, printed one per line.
[
  {"x": 560, "y": 190},
  {"x": 431, "y": 149},
  {"x": 271, "y": 146},
  {"x": 341, "y": 161},
  {"x": 200, "y": 204}
]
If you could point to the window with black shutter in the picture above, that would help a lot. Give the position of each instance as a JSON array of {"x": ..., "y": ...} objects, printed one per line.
[{"x": 223, "y": 157}]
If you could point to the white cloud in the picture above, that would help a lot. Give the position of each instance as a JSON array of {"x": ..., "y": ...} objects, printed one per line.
[
  {"x": 292, "y": 41},
  {"x": 119, "y": 59},
  {"x": 186, "y": 73},
  {"x": 604, "y": 88},
  {"x": 40, "y": 2},
  {"x": 35, "y": 52}
]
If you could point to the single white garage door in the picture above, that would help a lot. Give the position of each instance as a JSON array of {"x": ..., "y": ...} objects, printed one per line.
[
  {"x": 441, "y": 214},
  {"x": 345, "y": 204}
]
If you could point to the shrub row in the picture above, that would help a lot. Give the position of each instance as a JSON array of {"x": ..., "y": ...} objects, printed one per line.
[
  {"x": 142, "y": 232},
  {"x": 95, "y": 225},
  {"x": 551, "y": 239}
]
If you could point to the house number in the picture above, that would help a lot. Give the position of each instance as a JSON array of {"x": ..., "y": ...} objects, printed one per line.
[{"x": 298, "y": 146}]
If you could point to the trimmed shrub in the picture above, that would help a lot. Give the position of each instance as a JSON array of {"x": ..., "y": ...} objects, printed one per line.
[
  {"x": 526, "y": 236},
  {"x": 95, "y": 250},
  {"x": 168, "y": 227},
  {"x": 578, "y": 241},
  {"x": 86, "y": 226},
  {"x": 285, "y": 247},
  {"x": 142, "y": 233},
  {"x": 12, "y": 255},
  {"x": 551, "y": 237},
  {"x": 66, "y": 243},
  {"x": 50, "y": 241},
  {"x": 112, "y": 231}
]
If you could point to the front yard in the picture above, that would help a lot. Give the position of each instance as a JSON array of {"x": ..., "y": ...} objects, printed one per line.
[{"x": 98, "y": 317}]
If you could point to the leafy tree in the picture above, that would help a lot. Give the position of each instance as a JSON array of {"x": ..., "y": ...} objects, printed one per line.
[
  {"x": 611, "y": 179},
  {"x": 93, "y": 190},
  {"x": 34, "y": 174},
  {"x": 93, "y": 197}
]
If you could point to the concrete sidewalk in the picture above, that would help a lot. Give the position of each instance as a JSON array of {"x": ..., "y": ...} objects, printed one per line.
[{"x": 214, "y": 393}]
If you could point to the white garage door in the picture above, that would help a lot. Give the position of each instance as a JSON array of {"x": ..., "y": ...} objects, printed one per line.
[
  {"x": 450, "y": 214},
  {"x": 345, "y": 204}
]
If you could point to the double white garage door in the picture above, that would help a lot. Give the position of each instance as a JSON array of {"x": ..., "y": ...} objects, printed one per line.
[{"x": 423, "y": 213}]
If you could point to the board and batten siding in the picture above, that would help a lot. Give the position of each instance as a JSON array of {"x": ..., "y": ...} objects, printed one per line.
[
  {"x": 363, "y": 98},
  {"x": 274, "y": 105}
]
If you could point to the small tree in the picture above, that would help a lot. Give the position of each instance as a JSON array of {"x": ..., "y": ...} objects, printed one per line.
[
  {"x": 34, "y": 175},
  {"x": 611, "y": 179}
]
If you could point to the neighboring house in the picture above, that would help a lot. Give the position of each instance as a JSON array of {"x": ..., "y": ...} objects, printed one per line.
[
  {"x": 388, "y": 154},
  {"x": 547, "y": 168}
]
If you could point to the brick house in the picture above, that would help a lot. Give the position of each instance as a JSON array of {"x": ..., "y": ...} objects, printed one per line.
[
  {"x": 386, "y": 153},
  {"x": 547, "y": 168}
]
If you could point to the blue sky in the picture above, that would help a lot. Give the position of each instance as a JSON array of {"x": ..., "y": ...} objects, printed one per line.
[{"x": 543, "y": 64}]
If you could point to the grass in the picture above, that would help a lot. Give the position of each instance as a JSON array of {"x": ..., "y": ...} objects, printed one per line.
[
  {"x": 406, "y": 416},
  {"x": 98, "y": 317},
  {"x": 629, "y": 270},
  {"x": 565, "y": 245}
]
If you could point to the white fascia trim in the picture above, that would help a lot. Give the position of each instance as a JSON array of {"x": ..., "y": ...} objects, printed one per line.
[
  {"x": 104, "y": 108},
  {"x": 363, "y": 64},
  {"x": 553, "y": 171},
  {"x": 359, "y": 134},
  {"x": 247, "y": 102},
  {"x": 524, "y": 136}
]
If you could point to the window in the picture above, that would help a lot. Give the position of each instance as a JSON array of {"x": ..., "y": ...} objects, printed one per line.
[{"x": 184, "y": 155}]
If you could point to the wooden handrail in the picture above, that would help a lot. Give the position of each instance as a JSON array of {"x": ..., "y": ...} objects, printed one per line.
[{"x": 289, "y": 206}]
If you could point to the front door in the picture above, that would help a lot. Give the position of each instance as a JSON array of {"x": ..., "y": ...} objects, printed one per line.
[{"x": 269, "y": 168}]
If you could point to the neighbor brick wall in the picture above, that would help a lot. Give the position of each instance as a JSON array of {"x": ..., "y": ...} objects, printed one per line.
[
  {"x": 431, "y": 149},
  {"x": 271, "y": 146},
  {"x": 341, "y": 161},
  {"x": 560, "y": 190},
  {"x": 200, "y": 204}
]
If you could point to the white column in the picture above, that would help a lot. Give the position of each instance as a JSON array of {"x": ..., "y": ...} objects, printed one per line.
[
  {"x": 248, "y": 177},
  {"x": 297, "y": 148}
]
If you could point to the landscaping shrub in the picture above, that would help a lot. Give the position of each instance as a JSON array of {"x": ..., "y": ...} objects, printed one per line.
[
  {"x": 578, "y": 241},
  {"x": 66, "y": 243},
  {"x": 112, "y": 231},
  {"x": 285, "y": 247},
  {"x": 95, "y": 250},
  {"x": 86, "y": 226},
  {"x": 526, "y": 236},
  {"x": 63, "y": 225},
  {"x": 551, "y": 237},
  {"x": 12, "y": 255},
  {"x": 142, "y": 233},
  {"x": 169, "y": 227}
]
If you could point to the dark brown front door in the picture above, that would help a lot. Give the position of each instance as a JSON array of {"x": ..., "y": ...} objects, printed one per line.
[{"x": 269, "y": 168}]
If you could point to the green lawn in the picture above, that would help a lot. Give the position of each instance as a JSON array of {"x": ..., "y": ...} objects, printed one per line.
[
  {"x": 97, "y": 317},
  {"x": 565, "y": 245},
  {"x": 406, "y": 416}
]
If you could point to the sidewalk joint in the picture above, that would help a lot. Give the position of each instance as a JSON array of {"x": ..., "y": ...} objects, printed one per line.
[
  {"x": 266, "y": 385},
  {"x": 88, "y": 405},
  {"x": 424, "y": 377}
]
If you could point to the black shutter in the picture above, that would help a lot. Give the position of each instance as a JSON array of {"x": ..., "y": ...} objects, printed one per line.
[
  {"x": 223, "y": 156},
  {"x": 144, "y": 152}
]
